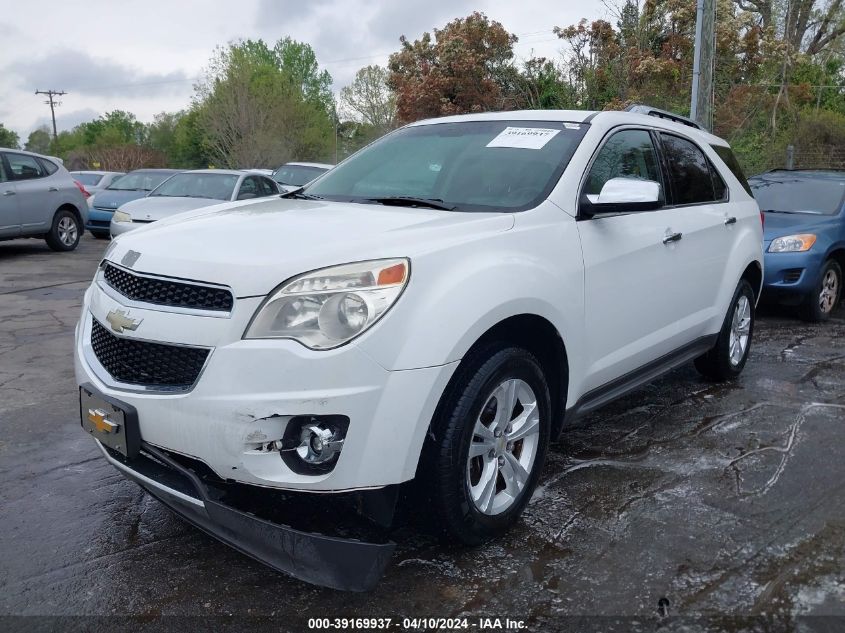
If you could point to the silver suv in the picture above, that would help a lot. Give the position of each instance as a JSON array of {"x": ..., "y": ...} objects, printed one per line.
[{"x": 38, "y": 198}]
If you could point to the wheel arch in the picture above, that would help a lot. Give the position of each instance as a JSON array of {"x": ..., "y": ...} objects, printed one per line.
[
  {"x": 539, "y": 336},
  {"x": 837, "y": 254},
  {"x": 67, "y": 206},
  {"x": 753, "y": 274}
]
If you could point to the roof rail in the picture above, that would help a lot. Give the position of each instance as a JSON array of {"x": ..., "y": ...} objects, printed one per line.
[{"x": 638, "y": 108}]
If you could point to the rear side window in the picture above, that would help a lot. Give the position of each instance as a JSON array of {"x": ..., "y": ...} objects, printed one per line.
[
  {"x": 25, "y": 167},
  {"x": 48, "y": 166},
  {"x": 690, "y": 172},
  {"x": 729, "y": 158}
]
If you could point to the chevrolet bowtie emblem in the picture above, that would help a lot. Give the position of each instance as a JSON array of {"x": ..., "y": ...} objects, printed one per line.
[
  {"x": 120, "y": 321},
  {"x": 101, "y": 422}
]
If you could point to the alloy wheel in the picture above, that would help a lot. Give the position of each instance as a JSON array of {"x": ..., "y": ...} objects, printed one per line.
[
  {"x": 504, "y": 447},
  {"x": 740, "y": 330},
  {"x": 67, "y": 230},
  {"x": 829, "y": 291}
]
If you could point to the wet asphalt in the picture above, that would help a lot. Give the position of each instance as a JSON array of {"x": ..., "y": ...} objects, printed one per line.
[{"x": 686, "y": 504}]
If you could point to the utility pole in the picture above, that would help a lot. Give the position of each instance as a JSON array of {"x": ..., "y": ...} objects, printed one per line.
[
  {"x": 53, "y": 104},
  {"x": 701, "y": 99}
]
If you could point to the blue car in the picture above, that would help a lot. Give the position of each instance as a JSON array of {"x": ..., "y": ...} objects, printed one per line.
[
  {"x": 803, "y": 239},
  {"x": 136, "y": 184}
]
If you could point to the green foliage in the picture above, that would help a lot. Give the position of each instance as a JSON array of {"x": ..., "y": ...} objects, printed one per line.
[
  {"x": 8, "y": 138},
  {"x": 39, "y": 141}
]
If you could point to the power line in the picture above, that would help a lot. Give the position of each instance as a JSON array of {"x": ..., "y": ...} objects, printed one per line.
[{"x": 53, "y": 105}]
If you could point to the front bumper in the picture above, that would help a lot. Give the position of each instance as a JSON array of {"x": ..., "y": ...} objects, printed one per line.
[
  {"x": 789, "y": 277},
  {"x": 339, "y": 563},
  {"x": 249, "y": 390}
]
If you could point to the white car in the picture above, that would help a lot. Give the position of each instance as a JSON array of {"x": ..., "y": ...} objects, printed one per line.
[
  {"x": 436, "y": 308},
  {"x": 189, "y": 190},
  {"x": 96, "y": 181}
]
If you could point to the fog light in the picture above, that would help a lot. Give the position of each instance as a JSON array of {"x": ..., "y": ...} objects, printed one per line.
[{"x": 312, "y": 444}]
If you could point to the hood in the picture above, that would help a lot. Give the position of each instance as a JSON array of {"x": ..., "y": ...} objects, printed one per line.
[
  {"x": 111, "y": 199},
  {"x": 154, "y": 208},
  {"x": 256, "y": 245},
  {"x": 780, "y": 224}
]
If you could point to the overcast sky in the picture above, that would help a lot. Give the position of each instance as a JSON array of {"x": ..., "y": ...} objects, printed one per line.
[{"x": 144, "y": 56}]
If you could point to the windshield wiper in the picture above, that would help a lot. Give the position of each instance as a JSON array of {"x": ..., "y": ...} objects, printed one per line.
[
  {"x": 410, "y": 201},
  {"x": 298, "y": 194}
]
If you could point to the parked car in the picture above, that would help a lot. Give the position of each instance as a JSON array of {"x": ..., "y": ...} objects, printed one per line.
[
  {"x": 804, "y": 238},
  {"x": 136, "y": 184},
  {"x": 293, "y": 175},
  {"x": 191, "y": 190},
  {"x": 96, "y": 181},
  {"x": 437, "y": 307},
  {"x": 38, "y": 198}
]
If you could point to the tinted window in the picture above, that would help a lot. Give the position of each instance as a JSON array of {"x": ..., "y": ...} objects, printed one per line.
[
  {"x": 87, "y": 179},
  {"x": 626, "y": 154},
  {"x": 471, "y": 166},
  {"x": 792, "y": 193},
  {"x": 730, "y": 160},
  {"x": 689, "y": 171},
  {"x": 249, "y": 188},
  {"x": 25, "y": 167},
  {"x": 2, "y": 170},
  {"x": 49, "y": 166},
  {"x": 720, "y": 189}
]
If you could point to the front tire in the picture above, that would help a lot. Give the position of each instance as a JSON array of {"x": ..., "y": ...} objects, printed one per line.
[
  {"x": 824, "y": 298},
  {"x": 488, "y": 443},
  {"x": 728, "y": 356},
  {"x": 65, "y": 233}
]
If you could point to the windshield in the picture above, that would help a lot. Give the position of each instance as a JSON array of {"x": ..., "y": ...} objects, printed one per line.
[
  {"x": 296, "y": 175},
  {"x": 87, "y": 179},
  {"x": 793, "y": 194},
  {"x": 198, "y": 185},
  {"x": 139, "y": 181},
  {"x": 465, "y": 166}
]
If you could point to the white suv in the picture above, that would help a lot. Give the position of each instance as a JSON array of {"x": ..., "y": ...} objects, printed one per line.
[{"x": 436, "y": 308}]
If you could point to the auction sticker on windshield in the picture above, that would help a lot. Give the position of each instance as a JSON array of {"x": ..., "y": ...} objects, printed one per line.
[{"x": 523, "y": 137}]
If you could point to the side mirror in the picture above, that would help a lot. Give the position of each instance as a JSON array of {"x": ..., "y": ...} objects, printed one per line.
[{"x": 622, "y": 195}]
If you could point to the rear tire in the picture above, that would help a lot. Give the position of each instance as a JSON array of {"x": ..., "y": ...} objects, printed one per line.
[
  {"x": 824, "y": 298},
  {"x": 728, "y": 356},
  {"x": 487, "y": 444},
  {"x": 65, "y": 233}
]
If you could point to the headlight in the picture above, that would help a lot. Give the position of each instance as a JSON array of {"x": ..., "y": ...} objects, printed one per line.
[
  {"x": 792, "y": 243},
  {"x": 121, "y": 216},
  {"x": 329, "y": 307},
  {"x": 90, "y": 202}
]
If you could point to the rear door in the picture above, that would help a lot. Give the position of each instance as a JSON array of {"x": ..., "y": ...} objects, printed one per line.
[
  {"x": 632, "y": 277},
  {"x": 10, "y": 221},
  {"x": 700, "y": 210}
]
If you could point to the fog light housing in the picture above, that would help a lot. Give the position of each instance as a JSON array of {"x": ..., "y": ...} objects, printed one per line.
[{"x": 312, "y": 444}]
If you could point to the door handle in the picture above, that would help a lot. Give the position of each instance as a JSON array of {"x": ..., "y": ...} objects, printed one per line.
[
  {"x": 52, "y": 189},
  {"x": 730, "y": 220},
  {"x": 9, "y": 192},
  {"x": 672, "y": 237}
]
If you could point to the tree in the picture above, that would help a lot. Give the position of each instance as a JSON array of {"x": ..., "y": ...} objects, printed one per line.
[
  {"x": 260, "y": 107},
  {"x": 369, "y": 98},
  {"x": 8, "y": 138},
  {"x": 459, "y": 70},
  {"x": 40, "y": 140}
]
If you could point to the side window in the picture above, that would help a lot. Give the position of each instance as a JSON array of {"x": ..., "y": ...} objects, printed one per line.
[
  {"x": 25, "y": 167},
  {"x": 730, "y": 160},
  {"x": 3, "y": 177},
  {"x": 48, "y": 166},
  {"x": 626, "y": 154},
  {"x": 269, "y": 186},
  {"x": 689, "y": 171},
  {"x": 249, "y": 189},
  {"x": 720, "y": 189}
]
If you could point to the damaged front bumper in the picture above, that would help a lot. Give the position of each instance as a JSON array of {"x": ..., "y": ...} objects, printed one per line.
[{"x": 347, "y": 564}]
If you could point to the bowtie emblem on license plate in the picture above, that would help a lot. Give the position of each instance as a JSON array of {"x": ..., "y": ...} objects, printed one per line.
[{"x": 101, "y": 422}]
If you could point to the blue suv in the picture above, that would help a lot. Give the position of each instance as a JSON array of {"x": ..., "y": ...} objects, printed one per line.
[{"x": 804, "y": 238}]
